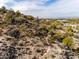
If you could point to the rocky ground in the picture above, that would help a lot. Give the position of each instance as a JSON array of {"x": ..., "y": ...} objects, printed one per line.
[{"x": 32, "y": 48}]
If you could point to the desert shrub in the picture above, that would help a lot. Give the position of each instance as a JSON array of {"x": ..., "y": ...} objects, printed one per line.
[
  {"x": 69, "y": 31},
  {"x": 56, "y": 24},
  {"x": 68, "y": 28},
  {"x": 30, "y": 33},
  {"x": 3, "y": 10},
  {"x": 67, "y": 42},
  {"x": 42, "y": 32},
  {"x": 9, "y": 16},
  {"x": 29, "y": 17},
  {"x": 77, "y": 28},
  {"x": 17, "y": 13},
  {"x": 59, "y": 36},
  {"x": 51, "y": 39},
  {"x": 11, "y": 52},
  {"x": 14, "y": 33},
  {"x": 77, "y": 50}
]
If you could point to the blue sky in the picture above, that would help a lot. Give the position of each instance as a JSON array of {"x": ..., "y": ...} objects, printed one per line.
[{"x": 44, "y": 8}]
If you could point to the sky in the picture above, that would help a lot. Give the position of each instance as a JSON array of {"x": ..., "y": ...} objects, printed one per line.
[{"x": 44, "y": 8}]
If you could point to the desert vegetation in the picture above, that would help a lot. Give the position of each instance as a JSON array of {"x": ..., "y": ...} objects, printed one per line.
[{"x": 25, "y": 28}]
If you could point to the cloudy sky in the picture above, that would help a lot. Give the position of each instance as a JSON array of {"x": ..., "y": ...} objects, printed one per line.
[{"x": 44, "y": 8}]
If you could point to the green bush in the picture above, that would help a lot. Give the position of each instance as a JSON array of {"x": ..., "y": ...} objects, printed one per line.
[{"x": 67, "y": 42}]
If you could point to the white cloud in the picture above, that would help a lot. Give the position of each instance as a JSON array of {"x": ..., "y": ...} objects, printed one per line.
[
  {"x": 60, "y": 8},
  {"x": 2, "y": 3}
]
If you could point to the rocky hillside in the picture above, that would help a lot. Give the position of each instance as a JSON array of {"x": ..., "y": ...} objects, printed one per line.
[{"x": 25, "y": 37}]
